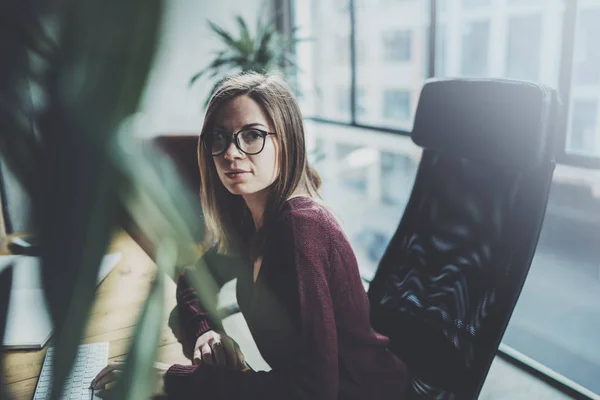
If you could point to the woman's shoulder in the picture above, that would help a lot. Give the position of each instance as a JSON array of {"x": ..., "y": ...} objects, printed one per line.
[
  {"x": 311, "y": 229},
  {"x": 305, "y": 213}
]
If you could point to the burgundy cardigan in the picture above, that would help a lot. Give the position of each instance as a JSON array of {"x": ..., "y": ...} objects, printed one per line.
[{"x": 309, "y": 316}]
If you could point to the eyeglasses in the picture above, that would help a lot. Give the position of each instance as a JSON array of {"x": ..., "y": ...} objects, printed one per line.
[{"x": 248, "y": 141}]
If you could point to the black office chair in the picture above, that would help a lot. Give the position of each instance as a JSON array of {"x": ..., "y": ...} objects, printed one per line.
[{"x": 450, "y": 278}]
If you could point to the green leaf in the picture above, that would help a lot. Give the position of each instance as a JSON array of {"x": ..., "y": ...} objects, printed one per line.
[
  {"x": 263, "y": 54},
  {"x": 197, "y": 76},
  {"x": 95, "y": 83},
  {"x": 227, "y": 38},
  {"x": 288, "y": 61},
  {"x": 242, "y": 25},
  {"x": 6, "y": 276},
  {"x": 215, "y": 73},
  {"x": 260, "y": 28},
  {"x": 161, "y": 207},
  {"x": 245, "y": 36},
  {"x": 17, "y": 140},
  {"x": 21, "y": 153},
  {"x": 139, "y": 378},
  {"x": 21, "y": 23},
  {"x": 220, "y": 60},
  {"x": 124, "y": 48}
]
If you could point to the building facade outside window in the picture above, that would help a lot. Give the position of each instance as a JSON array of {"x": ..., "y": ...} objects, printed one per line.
[
  {"x": 584, "y": 125},
  {"x": 584, "y": 133},
  {"x": 524, "y": 47},
  {"x": 471, "y": 4},
  {"x": 397, "y": 46},
  {"x": 475, "y": 43},
  {"x": 397, "y": 170},
  {"x": 396, "y": 105},
  {"x": 342, "y": 50}
]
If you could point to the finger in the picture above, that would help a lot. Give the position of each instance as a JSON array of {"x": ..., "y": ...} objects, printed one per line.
[
  {"x": 235, "y": 355},
  {"x": 207, "y": 357},
  {"x": 229, "y": 347},
  {"x": 106, "y": 379},
  {"x": 240, "y": 358},
  {"x": 106, "y": 370},
  {"x": 218, "y": 353},
  {"x": 197, "y": 356}
]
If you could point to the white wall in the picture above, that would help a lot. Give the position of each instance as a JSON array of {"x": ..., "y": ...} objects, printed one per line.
[{"x": 186, "y": 46}]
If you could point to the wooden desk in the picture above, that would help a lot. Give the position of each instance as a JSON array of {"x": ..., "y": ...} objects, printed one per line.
[{"x": 112, "y": 319}]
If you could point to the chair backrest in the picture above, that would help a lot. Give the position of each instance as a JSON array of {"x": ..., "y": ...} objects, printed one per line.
[{"x": 453, "y": 271}]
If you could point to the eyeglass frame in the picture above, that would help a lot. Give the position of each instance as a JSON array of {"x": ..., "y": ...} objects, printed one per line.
[{"x": 234, "y": 138}]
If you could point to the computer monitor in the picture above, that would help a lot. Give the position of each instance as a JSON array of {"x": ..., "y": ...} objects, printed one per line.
[{"x": 28, "y": 323}]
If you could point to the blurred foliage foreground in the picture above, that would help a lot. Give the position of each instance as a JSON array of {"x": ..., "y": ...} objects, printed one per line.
[{"x": 88, "y": 61}]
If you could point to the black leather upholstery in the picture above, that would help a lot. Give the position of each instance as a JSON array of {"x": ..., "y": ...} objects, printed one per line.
[
  {"x": 450, "y": 277},
  {"x": 500, "y": 122}
]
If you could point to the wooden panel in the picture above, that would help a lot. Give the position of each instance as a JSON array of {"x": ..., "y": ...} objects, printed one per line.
[{"x": 22, "y": 389}]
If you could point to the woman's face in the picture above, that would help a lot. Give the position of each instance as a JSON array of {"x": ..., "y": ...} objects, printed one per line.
[{"x": 244, "y": 174}]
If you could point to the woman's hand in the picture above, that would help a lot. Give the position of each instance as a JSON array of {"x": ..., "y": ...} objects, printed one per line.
[
  {"x": 218, "y": 349},
  {"x": 114, "y": 370}
]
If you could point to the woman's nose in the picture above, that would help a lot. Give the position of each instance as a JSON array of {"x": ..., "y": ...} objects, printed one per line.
[{"x": 232, "y": 151}]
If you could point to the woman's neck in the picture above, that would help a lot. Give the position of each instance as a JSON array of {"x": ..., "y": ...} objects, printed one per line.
[{"x": 256, "y": 203}]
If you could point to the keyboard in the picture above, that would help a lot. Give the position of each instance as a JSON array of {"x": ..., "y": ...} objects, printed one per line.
[{"x": 91, "y": 358}]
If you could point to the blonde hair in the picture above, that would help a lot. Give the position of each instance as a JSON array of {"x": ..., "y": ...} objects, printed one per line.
[{"x": 228, "y": 220}]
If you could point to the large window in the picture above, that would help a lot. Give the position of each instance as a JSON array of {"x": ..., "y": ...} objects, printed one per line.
[
  {"x": 584, "y": 125},
  {"x": 587, "y": 57},
  {"x": 325, "y": 58},
  {"x": 353, "y": 176},
  {"x": 368, "y": 173},
  {"x": 475, "y": 43},
  {"x": 470, "y": 4},
  {"x": 396, "y": 105},
  {"x": 397, "y": 45},
  {"x": 361, "y": 99},
  {"x": 395, "y": 35},
  {"x": 501, "y": 38},
  {"x": 524, "y": 47},
  {"x": 343, "y": 102},
  {"x": 341, "y": 50},
  {"x": 389, "y": 51},
  {"x": 397, "y": 170},
  {"x": 584, "y": 128}
]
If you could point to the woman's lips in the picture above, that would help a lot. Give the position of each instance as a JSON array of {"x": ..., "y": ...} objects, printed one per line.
[{"x": 236, "y": 174}]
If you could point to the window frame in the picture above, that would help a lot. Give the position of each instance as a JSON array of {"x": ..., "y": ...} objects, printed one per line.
[
  {"x": 566, "y": 52},
  {"x": 565, "y": 88}
]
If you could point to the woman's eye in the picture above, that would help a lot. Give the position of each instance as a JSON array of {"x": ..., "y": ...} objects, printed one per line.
[
  {"x": 249, "y": 136},
  {"x": 219, "y": 137}
]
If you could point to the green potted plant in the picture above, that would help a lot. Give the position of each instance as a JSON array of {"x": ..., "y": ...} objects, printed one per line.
[
  {"x": 265, "y": 51},
  {"x": 85, "y": 174}
]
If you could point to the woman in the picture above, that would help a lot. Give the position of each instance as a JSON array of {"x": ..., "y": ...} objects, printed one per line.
[{"x": 301, "y": 293}]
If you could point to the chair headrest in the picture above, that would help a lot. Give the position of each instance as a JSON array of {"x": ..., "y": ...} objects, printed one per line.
[{"x": 498, "y": 121}]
